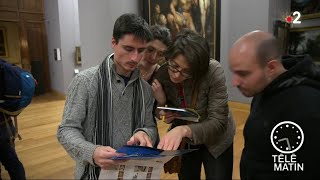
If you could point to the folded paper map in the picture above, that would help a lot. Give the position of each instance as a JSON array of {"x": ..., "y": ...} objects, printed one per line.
[{"x": 140, "y": 163}]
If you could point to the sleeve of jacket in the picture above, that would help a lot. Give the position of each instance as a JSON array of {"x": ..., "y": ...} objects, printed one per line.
[
  {"x": 209, "y": 131},
  {"x": 301, "y": 105},
  {"x": 149, "y": 124},
  {"x": 70, "y": 132}
]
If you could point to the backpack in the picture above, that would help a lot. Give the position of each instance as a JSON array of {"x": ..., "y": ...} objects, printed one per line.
[
  {"x": 16, "y": 91},
  {"x": 17, "y": 88}
]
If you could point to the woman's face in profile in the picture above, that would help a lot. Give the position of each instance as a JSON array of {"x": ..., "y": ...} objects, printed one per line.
[
  {"x": 157, "y": 9},
  {"x": 179, "y": 69},
  {"x": 162, "y": 20}
]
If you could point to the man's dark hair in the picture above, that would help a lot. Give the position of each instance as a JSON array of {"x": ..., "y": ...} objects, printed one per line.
[
  {"x": 131, "y": 24},
  {"x": 267, "y": 50},
  {"x": 194, "y": 48},
  {"x": 161, "y": 33}
]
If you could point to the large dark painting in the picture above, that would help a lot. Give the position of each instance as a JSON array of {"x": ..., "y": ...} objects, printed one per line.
[
  {"x": 305, "y": 41},
  {"x": 202, "y": 16},
  {"x": 307, "y": 8}
]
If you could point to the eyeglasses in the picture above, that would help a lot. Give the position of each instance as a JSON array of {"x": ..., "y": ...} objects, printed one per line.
[{"x": 174, "y": 68}]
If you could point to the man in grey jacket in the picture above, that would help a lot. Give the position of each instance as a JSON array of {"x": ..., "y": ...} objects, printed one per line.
[{"x": 109, "y": 105}]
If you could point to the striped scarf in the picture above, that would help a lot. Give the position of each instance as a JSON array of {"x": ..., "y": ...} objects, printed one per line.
[{"x": 103, "y": 133}]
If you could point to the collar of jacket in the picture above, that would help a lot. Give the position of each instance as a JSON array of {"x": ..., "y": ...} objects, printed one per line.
[
  {"x": 134, "y": 75},
  {"x": 301, "y": 70}
]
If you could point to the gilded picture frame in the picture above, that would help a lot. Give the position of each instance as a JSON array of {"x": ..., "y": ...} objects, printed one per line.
[
  {"x": 78, "y": 55},
  {"x": 281, "y": 32},
  {"x": 4, "y": 52}
]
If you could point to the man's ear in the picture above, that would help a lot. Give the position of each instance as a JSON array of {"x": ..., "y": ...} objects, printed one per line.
[
  {"x": 272, "y": 67},
  {"x": 113, "y": 42}
]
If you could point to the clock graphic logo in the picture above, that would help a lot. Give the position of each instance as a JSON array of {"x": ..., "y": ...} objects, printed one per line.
[{"x": 287, "y": 137}]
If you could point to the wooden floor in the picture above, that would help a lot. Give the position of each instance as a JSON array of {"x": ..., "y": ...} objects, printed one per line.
[{"x": 44, "y": 158}]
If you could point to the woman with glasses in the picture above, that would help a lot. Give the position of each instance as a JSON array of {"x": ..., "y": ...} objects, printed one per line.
[
  {"x": 154, "y": 51},
  {"x": 191, "y": 76}
]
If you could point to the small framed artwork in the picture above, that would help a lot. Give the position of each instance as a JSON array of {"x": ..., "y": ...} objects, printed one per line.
[
  {"x": 309, "y": 9},
  {"x": 3, "y": 43},
  {"x": 201, "y": 16},
  {"x": 78, "y": 55},
  {"x": 305, "y": 41}
]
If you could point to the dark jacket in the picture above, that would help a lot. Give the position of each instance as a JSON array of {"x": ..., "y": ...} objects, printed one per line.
[{"x": 293, "y": 96}]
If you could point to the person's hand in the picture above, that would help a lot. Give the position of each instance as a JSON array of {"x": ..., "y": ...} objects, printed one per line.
[
  {"x": 172, "y": 139},
  {"x": 102, "y": 157},
  {"x": 140, "y": 138},
  {"x": 158, "y": 92},
  {"x": 168, "y": 116}
]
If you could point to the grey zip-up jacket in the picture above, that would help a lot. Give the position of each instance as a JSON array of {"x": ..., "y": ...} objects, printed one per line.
[
  {"x": 79, "y": 115},
  {"x": 216, "y": 127}
]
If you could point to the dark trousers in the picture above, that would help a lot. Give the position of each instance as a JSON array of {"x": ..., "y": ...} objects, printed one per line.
[
  {"x": 215, "y": 168},
  {"x": 9, "y": 159}
]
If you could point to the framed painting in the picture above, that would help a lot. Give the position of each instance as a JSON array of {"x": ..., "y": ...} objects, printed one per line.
[
  {"x": 305, "y": 41},
  {"x": 201, "y": 16},
  {"x": 78, "y": 55},
  {"x": 309, "y": 9},
  {"x": 3, "y": 43}
]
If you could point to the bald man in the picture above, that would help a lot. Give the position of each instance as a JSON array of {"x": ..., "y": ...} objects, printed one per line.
[{"x": 280, "y": 134}]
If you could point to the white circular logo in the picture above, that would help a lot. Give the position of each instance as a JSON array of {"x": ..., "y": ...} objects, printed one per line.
[{"x": 287, "y": 137}]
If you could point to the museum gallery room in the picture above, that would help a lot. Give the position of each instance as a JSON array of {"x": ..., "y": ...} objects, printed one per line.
[{"x": 55, "y": 40}]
